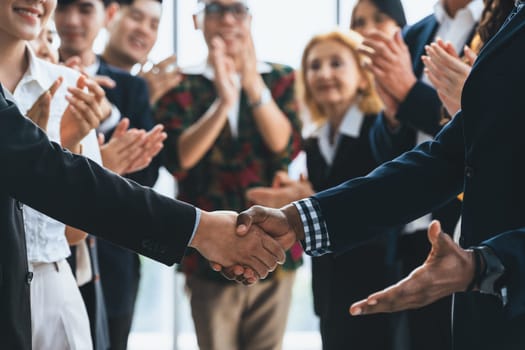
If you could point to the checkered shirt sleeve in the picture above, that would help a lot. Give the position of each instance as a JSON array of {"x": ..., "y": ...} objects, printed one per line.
[{"x": 317, "y": 240}]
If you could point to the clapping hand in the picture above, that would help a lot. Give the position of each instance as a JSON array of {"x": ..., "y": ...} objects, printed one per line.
[
  {"x": 447, "y": 72},
  {"x": 83, "y": 113},
  {"x": 224, "y": 68},
  {"x": 131, "y": 150},
  {"x": 283, "y": 191},
  {"x": 448, "y": 269},
  {"x": 390, "y": 63},
  {"x": 40, "y": 111},
  {"x": 163, "y": 77},
  {"x": 75, "y": 62}
]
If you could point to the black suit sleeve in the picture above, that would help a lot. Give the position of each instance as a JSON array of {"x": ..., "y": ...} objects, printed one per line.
[
  {"x": 421, "y": 109},
  {"x": 387, "y": 144},
  {"x": 509, "y": 248},
  {"x": 397, "y": 192},
  {"x": 82, "y": 194}
]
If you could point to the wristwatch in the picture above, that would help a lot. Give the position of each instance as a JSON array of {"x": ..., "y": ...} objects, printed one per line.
[
  {"x": 487, "y": 279},
  {"x": 266, "y": 97}
]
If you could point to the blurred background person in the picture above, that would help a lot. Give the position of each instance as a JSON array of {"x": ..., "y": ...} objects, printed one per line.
[
  {"x": 232, "y": 123},
  {"x": 43, "y": 44},
  {"x": 78, "y": 22},
  {"x": 339, "y": 94},
  {"x": 386, "y": 16},
  {"x": 133, "y": 31},
  {"x": 84, "y": 257}
]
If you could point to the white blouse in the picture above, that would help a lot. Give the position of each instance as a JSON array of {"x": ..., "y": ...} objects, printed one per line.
[
  {"x": 46, "y": 240},
  {"x": 350, "y": 126}
]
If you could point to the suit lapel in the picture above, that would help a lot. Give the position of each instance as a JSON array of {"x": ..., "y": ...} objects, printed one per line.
[
  {"x": 425, "y": 38},
  {"x": 501, "y": 37},
  {"x": 102, "y": 69}
]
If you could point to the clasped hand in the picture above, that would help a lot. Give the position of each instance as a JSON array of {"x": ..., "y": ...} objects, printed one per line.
[{"x": 244, "y": 247}]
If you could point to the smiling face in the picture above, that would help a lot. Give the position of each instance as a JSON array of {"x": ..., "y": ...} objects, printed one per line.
[
  {"x": 332, "y": 76},
  {"x": 367, "y": 17},
  {"x": 133, "y": 30},
  {"x": 233, "y": 29},
  {"x": 78, "y": 25},
  {"x": 24, "y": 19}
]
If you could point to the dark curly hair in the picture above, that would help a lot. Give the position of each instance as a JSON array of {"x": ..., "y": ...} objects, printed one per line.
[{"x": 494, "y": 14}]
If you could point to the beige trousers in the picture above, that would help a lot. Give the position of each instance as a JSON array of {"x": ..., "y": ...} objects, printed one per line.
[
  {"x": 236, "y": 317},
  {"x": 59, "y": 318}
]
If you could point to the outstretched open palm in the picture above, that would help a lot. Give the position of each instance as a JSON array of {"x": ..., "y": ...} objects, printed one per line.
[{"x": 447, "y": 269}]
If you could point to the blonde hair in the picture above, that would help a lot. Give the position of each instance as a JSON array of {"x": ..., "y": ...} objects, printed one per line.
[{"x": 369, "y": 102}]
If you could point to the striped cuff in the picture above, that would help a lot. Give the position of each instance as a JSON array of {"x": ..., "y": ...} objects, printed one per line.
[{"x": 316, "y": 241}]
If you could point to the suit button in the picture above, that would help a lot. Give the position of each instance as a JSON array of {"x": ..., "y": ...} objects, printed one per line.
[
  {"x": 29, "y": 277},
  {"x": 469, "y": 172}
]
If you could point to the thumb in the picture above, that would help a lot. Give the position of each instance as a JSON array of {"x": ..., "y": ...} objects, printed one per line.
[
  {"x": 46, "y": 110},
  {"x": 434, "y": 229},
  {"x": 101, "y": 139},
  {"x": 81, "y": 82},
  {"x": 470, "y": 55},
  {"x": 121, "y": 127},
  {"x": 442, "y": 243},
  {"x": 247, "y": 218},
  {"x": 280, "y": 178},
  {"x": 54, "y": 87}
]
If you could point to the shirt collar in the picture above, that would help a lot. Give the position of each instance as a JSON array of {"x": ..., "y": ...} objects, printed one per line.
[
  {"x": 8, "y": 95},
  {"x": 352, "y": 122},
  {"x": 474, "y": 8},
  {"x": 36, "y": 72},
  {"x": 207, "y": 71},
  {"x": 92, "y": 69}
]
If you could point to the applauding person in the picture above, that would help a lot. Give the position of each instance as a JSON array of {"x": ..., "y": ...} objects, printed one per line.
[
  {"x": 231, "y": 123},
  {"x": 340, "y": 96}
]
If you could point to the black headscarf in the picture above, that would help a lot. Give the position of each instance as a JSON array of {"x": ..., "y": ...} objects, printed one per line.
[{"x": 393, "y": 9}]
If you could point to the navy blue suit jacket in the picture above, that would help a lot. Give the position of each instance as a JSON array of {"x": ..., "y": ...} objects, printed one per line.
[
  {"x": 420, "y": 111},
  {"x": 120, "y": 268},
  {"x": 481, "y": 152},
  {"x": 80, "y": 193}
]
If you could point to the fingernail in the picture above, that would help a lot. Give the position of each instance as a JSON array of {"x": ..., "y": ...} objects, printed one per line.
[{"x": 357, "y": 311}]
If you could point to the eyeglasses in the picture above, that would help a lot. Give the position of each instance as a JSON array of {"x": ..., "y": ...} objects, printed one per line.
[{"x": 216, "y": 10}]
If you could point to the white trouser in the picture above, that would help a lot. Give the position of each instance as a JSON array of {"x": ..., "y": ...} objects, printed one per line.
[{"x": 58, "y": 315}]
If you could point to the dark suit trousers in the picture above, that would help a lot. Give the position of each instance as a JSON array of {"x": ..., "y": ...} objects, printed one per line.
[{"x": 479, "y": 324}]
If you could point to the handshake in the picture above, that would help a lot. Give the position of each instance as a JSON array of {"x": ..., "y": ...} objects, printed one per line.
[{"x": 245, "y": 247}]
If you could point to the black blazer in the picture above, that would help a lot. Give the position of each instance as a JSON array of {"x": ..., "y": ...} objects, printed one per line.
[
  {"x": 481, "y": 152},
  {"x": 78, "y": 192}
]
